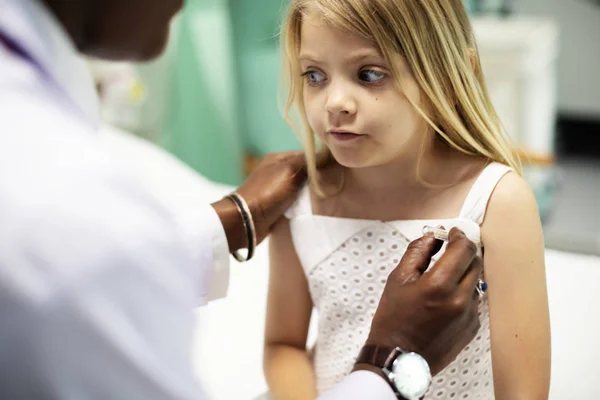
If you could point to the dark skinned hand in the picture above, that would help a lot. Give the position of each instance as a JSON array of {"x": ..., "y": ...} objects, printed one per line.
[
  {"x": 269, "y": 191},
  {"x": 433, "y": 314}
]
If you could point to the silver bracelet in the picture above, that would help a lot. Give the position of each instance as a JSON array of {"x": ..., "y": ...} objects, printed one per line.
[{"x": 249, "y": 227}]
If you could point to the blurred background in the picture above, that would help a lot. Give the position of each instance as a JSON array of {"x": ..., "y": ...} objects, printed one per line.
[{"x": 211, "y": 100}]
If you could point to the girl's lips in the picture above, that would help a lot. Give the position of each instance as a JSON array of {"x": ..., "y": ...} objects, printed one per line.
[{"x": 345, "y": 136}]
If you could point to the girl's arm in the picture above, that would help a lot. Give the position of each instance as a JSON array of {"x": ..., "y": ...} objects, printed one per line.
[
  {"x": 515, "y": 272},
  {"x": 287, "y": 366}
]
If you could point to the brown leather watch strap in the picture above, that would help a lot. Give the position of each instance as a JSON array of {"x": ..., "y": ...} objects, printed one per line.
[{"x": 378, "y": 356}]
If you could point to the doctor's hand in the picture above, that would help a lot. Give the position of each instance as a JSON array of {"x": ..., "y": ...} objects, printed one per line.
[
  {"x": 433, "y": 314},
  {"x": 269, "y": 191}
]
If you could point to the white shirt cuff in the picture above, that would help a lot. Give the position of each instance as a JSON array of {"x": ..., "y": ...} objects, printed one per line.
[
  {"x": 361, "y": 385},
  {"x": 207, "y": 243},
  {"x": 218, "y": 284}
]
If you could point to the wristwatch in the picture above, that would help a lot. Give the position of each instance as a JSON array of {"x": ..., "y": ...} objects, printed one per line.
[{"x": 407, "y": 373}]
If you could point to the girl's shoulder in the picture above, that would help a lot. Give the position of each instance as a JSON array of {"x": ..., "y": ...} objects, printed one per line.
[
  {"x": 491, "y": 181},
  {"x": 511, "y": 194}
]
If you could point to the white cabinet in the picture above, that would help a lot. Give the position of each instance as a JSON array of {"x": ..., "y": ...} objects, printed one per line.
[{"x": 518, "y": 57}]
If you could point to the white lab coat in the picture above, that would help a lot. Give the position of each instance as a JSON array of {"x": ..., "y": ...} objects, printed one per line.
[{"x": 98, "y": 273}]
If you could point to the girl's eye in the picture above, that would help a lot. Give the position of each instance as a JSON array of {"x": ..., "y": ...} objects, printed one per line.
[
  {"x": 314, "y": 77},
  {"x": 370, "y": 75}
]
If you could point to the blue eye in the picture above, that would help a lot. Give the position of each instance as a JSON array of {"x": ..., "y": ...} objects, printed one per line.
[
  {"x": 314, "y": 77},
  {"x": 371, "y": 76}
]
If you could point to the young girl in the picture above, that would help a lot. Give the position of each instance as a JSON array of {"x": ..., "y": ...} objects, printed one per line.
[{"x": 394, "y": 90}]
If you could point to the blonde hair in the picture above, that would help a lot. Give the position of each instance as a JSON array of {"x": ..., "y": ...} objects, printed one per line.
[{"x": 435, "y": 37}]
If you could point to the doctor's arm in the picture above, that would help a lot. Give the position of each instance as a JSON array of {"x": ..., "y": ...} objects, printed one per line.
[
  {"x": 102, "y": 305},
  {"x": 122, "y": 334}
]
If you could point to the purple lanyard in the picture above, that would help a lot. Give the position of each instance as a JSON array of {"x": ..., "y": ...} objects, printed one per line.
[{"x": 14, "y": 48}]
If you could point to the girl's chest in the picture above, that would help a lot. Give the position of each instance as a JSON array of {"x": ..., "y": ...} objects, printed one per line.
[
  {"x": 356, "y": 272},
  {"x": 353, "y": 276}
]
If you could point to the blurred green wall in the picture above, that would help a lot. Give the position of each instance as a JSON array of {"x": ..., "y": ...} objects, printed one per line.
[
  {"x": 221, "y": 79},
  {"x": 256, "y": 39},
  {"x": 201, "y": 119}
]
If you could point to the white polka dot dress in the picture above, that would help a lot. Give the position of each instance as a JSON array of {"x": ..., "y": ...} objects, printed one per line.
[{"x": 347, "y": 262}]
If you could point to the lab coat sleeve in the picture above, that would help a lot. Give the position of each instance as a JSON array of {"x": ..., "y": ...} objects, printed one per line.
[
  {"x": 206, "y": 240},
  {"x": 361, "y": 385},
  {"x": 122, "y": 333},
  {"x": 219, "y": 280},
  {"x": 100, "y": 305}
]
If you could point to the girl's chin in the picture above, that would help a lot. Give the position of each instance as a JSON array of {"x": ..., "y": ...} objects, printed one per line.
[{"x": 349, "y": 159}]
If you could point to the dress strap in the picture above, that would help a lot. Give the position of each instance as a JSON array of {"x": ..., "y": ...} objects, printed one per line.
[
  {"x": 475, "y": 205},
  {"x": 302, "y": 206}
]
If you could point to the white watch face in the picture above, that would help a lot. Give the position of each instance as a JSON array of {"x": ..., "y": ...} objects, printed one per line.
[{"x": 412, "y": 376}]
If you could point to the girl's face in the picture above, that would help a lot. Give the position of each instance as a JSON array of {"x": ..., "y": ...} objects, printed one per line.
[{"x": 351, "y": 100}]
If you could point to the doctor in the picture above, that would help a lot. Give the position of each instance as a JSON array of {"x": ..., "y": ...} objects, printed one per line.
[{"x": 98, "y": 274}]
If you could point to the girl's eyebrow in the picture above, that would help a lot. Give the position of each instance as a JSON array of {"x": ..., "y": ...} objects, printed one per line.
[
  {"x": 357, "y": 56},
  {"x": 308, "y": 57}
]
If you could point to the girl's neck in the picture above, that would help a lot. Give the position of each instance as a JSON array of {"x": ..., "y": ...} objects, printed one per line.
[
  {"x": 434, "y": 166},
  {"x": 430, "y": 185}
]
